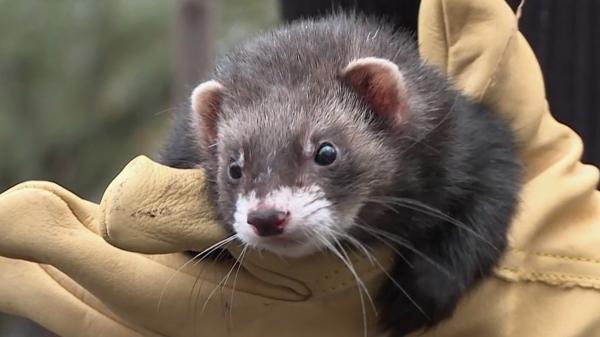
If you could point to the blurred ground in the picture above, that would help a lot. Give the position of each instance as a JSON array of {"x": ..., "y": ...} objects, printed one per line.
[{"x": 87, "y": 85}]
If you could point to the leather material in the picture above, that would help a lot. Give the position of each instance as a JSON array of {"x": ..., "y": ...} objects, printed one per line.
[{"x": 80, "y": 269}]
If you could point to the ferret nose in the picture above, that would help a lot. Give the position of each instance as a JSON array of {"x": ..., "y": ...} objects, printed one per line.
[{"x": 267, "y": 222}]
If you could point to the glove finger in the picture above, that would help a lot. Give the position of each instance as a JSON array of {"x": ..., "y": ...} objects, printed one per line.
[
  {"x": 151, "y": 208},
  {"x": 29, "y": 290}
]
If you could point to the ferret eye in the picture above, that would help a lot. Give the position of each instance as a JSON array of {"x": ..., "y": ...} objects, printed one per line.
[
  {"x": 235, "y": 171},
  {"x": 326, "y": 154}
]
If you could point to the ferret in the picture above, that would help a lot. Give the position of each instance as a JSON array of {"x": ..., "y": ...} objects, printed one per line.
[{"x": 334, "y": 131}]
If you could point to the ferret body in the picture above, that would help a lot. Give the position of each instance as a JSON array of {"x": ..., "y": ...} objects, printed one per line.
[{"x": 331, "y": 132}]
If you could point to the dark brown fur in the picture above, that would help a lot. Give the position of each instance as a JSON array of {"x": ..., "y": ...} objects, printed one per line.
[{"x": 454, "y": 156}]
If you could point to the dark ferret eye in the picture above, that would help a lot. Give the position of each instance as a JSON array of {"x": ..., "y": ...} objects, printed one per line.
[
  {"x": 235, "y": 171},
  {"x": 326, "y": 154}
]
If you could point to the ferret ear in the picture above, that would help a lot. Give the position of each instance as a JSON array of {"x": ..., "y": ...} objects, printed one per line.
[
  {"x": 381, "y": 83},
  {"x": 206, "y": 105}
]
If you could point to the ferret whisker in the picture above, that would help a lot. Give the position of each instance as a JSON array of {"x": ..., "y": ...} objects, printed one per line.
[
  {"x": 375, "y": 261},
  {"x": 331, "y": 204},
  {"x": 315, "y": 199},
  {"x": 216, "y": 246},
  {"x": 420, "y": 141},
  {"x": 316, "y": 210},
  {"x": 334, "y": 250},
  {"x": 393, "y": 238},
  {"x": 206, "y": 252},
  {"x": 442, "y": 120},
  {"x": 401, "y": 288},
  {"x": 386, "y": 243},
  {"x": 182, "y": 163},
  {"x": 162, "y": 292},
  {"x": 193, "y": 304},
  {"x": 360, "y": 286},
  {"x": 345, "y": 253},
  {"x": 171, "y": 109},
  {"x": 357, "y": 244},
  {"x": 235, "y": 278},
  {"x": 220, "y": 285},
  {"x": 428, "y": 210}
]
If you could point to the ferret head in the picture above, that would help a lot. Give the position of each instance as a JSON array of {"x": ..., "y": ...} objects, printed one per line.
[{"x": 294, "y": 166}]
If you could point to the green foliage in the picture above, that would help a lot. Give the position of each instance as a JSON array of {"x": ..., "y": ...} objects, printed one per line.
[
  {"x": 81, "y": 85},
  {"x": 239, "y": 19},
  {"x": 86, "y": 85}
]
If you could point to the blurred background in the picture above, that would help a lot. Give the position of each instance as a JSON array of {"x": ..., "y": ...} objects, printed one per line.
[{"x": 87, "y": 85}]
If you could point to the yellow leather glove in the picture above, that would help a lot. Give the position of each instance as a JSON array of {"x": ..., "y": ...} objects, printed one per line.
[
  {"x": 549, "y": 280},
  {"x": 546, "y": 285},
  {"x": 96, "y": 289}
]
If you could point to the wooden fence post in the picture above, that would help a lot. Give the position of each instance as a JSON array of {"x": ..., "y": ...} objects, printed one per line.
[{"x": 194, "y": 46}]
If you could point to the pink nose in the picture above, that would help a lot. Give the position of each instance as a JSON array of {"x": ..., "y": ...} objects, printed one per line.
[{"x": 267, "y": 222}]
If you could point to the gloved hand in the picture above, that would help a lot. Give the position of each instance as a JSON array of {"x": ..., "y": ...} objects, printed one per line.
[
  {"x": 548, "y": 281},
  {"x": 78, "y": 284},
  {"x": 93, "y": 288}
]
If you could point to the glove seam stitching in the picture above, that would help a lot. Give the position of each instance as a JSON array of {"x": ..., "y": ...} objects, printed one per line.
[
  {"x": 446, "y": 37},
  {"x": 538, "y": 275},
  {"x": 555, "y": 256},
  {"x": 500, "y": 61}
]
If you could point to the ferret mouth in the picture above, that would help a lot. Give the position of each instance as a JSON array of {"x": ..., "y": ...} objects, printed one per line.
[
  {"x": 283, "y": 245},
  {"x": 282, "y": 241},
  {"x": 285, "y": 221}
]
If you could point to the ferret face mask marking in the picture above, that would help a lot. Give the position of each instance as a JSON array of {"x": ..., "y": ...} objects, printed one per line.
[
  {"x": 287, "y": 221},
  {"x": 296, "y": 190}
]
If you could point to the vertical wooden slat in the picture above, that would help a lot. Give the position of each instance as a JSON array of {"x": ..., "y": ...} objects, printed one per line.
[{"x": 194, "y": 45}]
